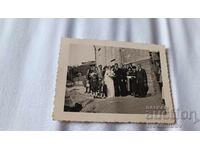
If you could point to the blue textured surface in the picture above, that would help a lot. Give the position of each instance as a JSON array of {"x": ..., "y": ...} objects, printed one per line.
[{"x": 28, "y": 59}]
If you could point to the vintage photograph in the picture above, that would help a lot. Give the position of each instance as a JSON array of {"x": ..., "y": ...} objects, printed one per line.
[
  {"x": 103, "y": 79},
  {"x": 109, "y": 79}
]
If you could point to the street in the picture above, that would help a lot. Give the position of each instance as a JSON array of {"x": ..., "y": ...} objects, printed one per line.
[{"x": 127, "y": 104}]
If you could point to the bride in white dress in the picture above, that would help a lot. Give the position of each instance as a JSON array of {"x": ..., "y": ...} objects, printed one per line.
[{"x": 108, "y": 79}]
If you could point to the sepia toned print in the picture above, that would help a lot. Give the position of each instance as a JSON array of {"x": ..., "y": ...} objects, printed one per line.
[{"x": 108, "y": 81}]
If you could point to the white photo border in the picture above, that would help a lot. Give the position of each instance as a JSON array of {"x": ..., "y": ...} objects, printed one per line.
[{"x": 59, "y": 99}]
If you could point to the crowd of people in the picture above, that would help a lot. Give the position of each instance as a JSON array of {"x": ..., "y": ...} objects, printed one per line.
[{"x": 115, "y": 80}]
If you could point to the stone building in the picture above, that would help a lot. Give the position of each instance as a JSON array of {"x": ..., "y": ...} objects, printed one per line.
[{"x": 111, "y": 55}]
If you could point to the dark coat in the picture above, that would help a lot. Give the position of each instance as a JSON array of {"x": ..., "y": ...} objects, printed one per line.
[
  {"x": 141, "y": 77},
  {"x": 133, "y": 81},
  {"x": 120, "y": 82},
  {"x": 142, "y": 82}
]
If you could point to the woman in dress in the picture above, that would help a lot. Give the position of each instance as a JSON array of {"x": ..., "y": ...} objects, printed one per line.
[
  {"x": 94, "y": 82},
  {"x": 108, "y": 79}
]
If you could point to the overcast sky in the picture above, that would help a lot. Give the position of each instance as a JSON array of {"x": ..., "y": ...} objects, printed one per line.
[{"x": 81, "y": 53}]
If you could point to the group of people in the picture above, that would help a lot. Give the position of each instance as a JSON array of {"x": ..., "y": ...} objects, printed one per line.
[{"x": 115, "y": 80}]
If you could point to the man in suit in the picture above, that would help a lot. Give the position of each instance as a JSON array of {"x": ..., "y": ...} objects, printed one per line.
[
  {"x": 117, "y": 79},
  {"x": 123, "y": 81},
  {"x": 142, "y": 81}
]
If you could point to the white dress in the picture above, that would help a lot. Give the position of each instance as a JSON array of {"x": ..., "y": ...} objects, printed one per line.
[{"x": 109, "y": 83}]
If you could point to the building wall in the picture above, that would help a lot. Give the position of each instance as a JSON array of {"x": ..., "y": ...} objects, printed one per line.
[
  {"x": 126, "y": 56},
  {"x": 106, "y": 54},
  {"x": 134, "y": 55},
  {"x": 142, "y": 57}
]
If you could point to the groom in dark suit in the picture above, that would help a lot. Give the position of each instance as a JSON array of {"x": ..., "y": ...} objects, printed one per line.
[
  {"x": 117, "y": 79},
  {"x": 120, "y": 81}
]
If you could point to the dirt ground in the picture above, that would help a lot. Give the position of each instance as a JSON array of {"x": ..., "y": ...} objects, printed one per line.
[{"x": 127, "y": 104}]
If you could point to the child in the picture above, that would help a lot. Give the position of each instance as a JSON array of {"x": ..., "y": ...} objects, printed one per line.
[
  {"x": 101, "y": 89},
  {"x": 87, "y": 86},
  {"x": 104, "y": 90}
]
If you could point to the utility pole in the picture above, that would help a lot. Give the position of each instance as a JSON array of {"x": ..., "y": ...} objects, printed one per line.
[
  {"x": 95, "y": 53},
  {"x": 120, "y": 56}
]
